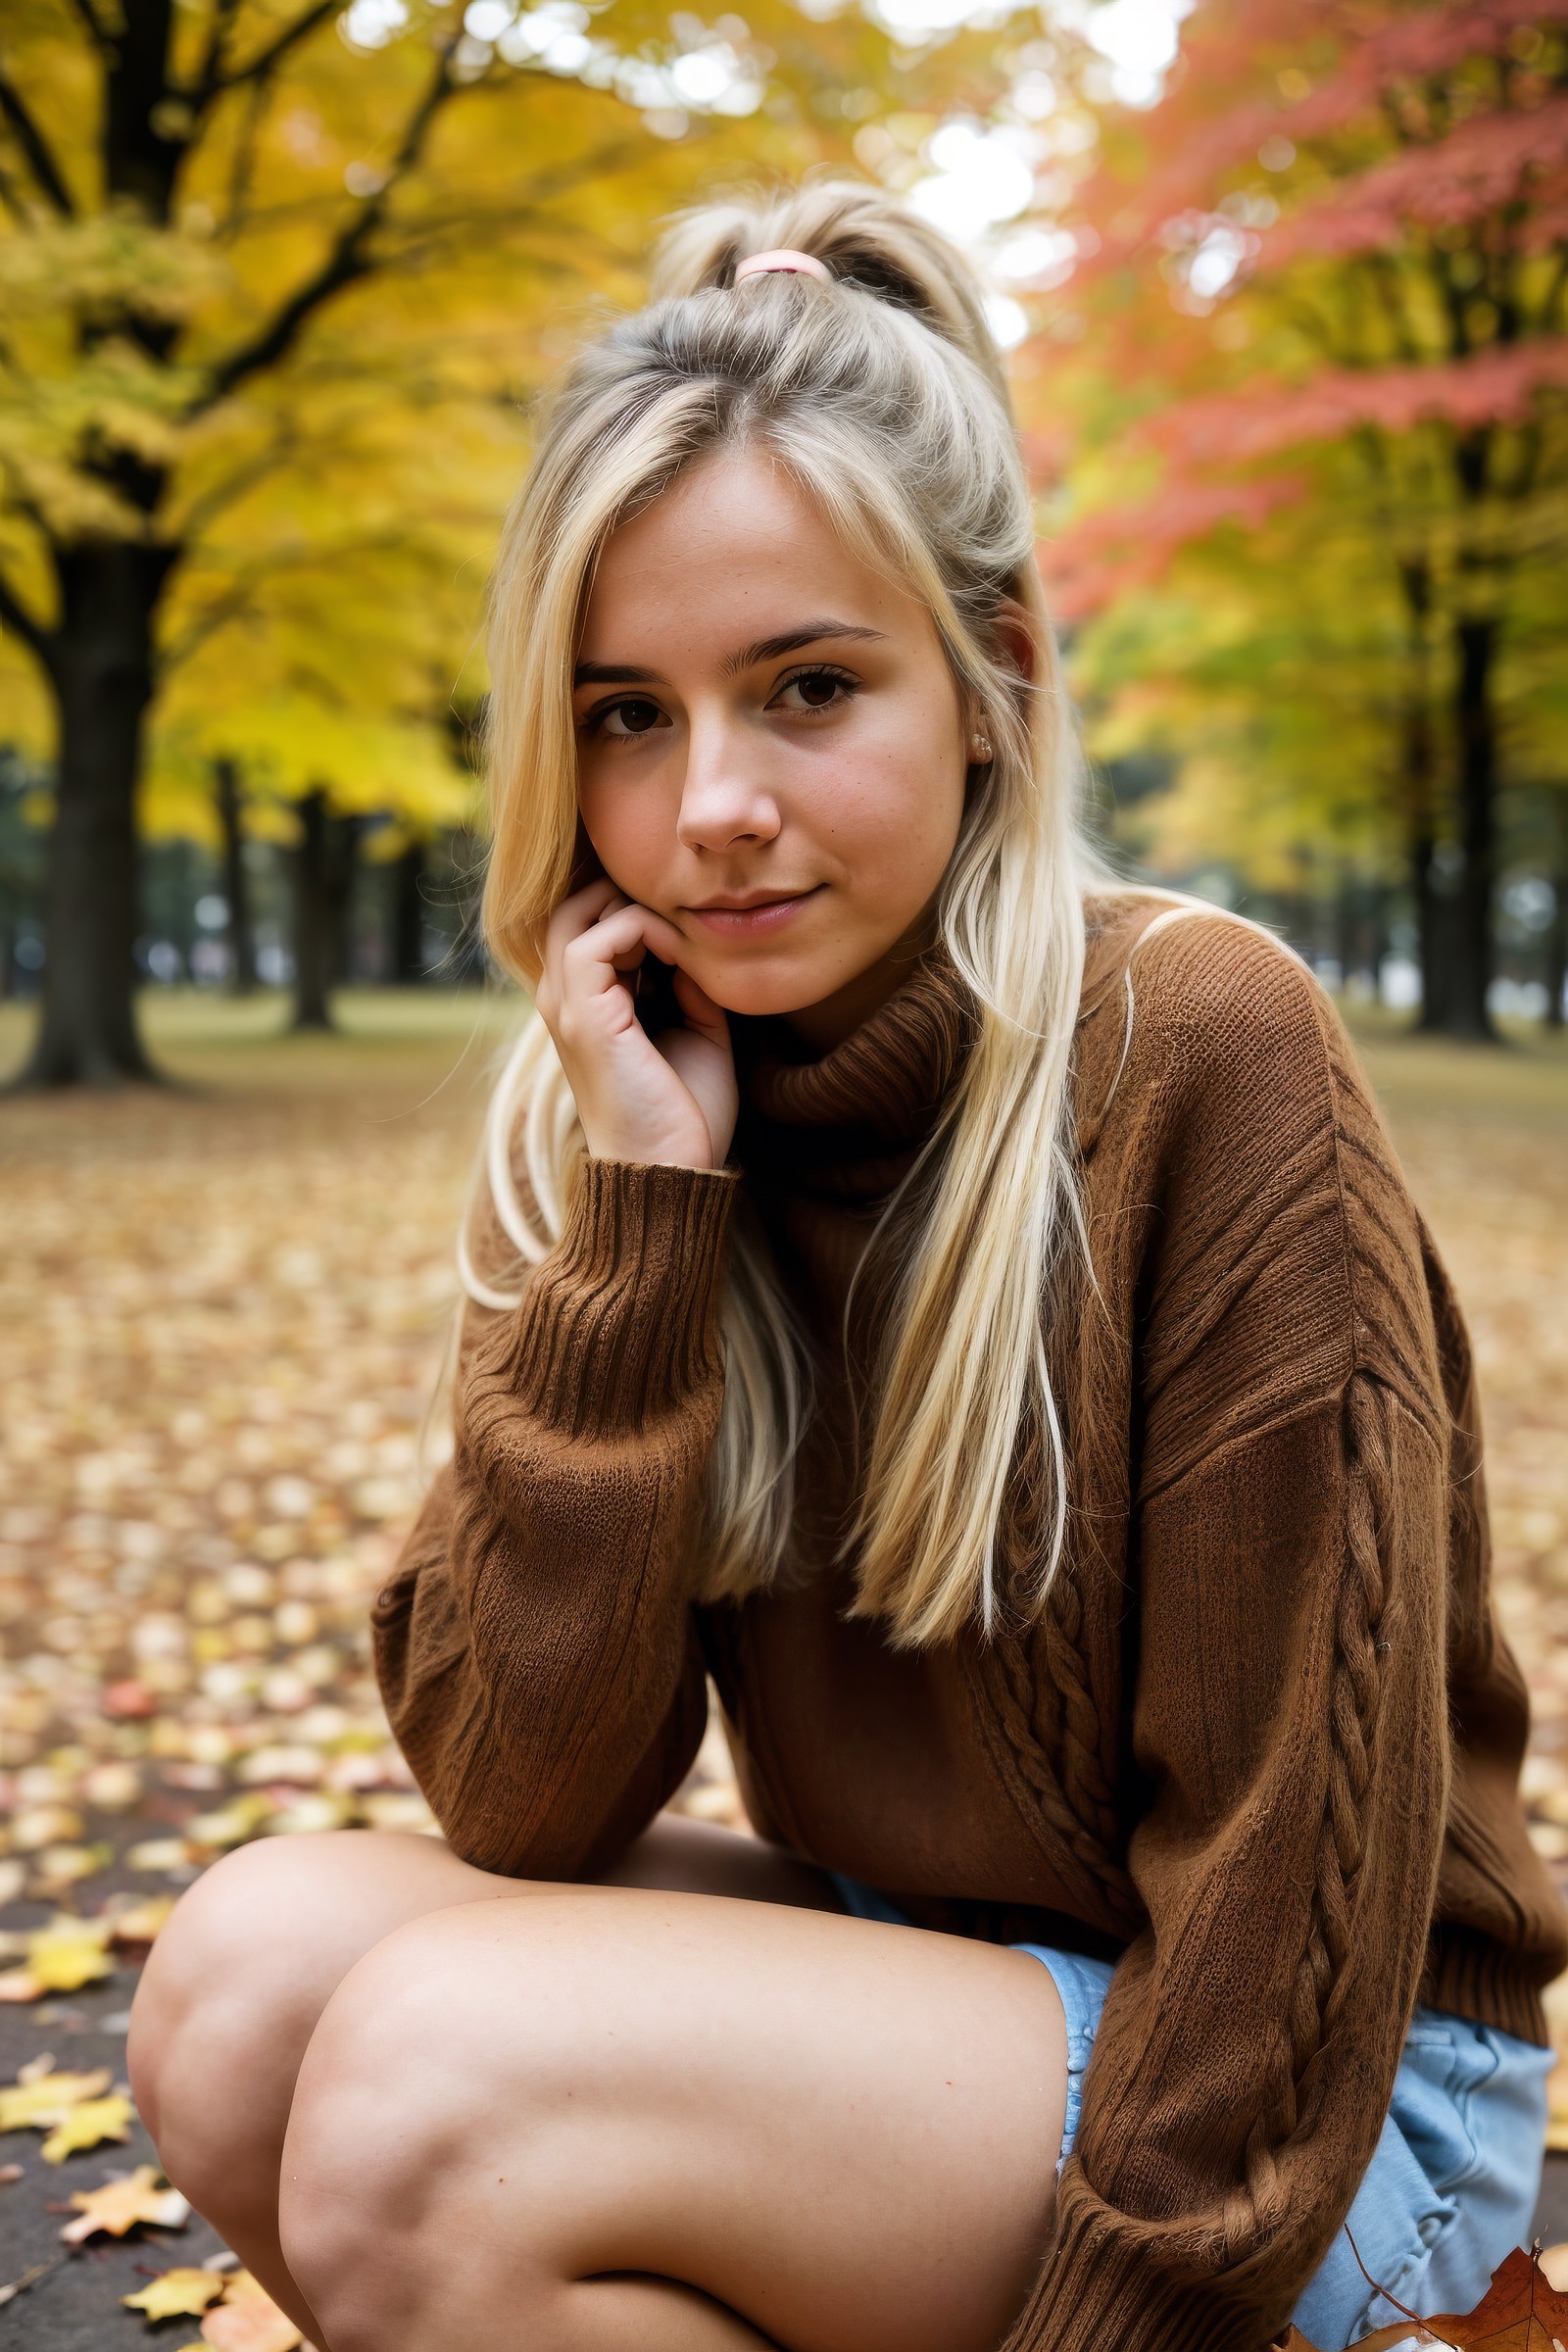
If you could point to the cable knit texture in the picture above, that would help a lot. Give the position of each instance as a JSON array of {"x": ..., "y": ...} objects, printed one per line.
[{"x": 1261, "y": 1745}]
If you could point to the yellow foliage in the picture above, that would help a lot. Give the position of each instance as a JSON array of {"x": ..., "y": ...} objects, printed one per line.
[
  {"x": 70, "y": 1953},
  {"x": 87, "y": 2126},
  {"x": 177, "y": 2294},
  {"x": 37, "y": 2102},
  {"x": 296, "y": 345}
]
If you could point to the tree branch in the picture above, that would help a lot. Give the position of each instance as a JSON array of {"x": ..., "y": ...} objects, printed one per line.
[
  {"x": 209, "y": 73},
  {"x": 346, "y": 261},
  {"x": 10, "y": 198},
  {"x": 202, "y": 510},
  {"x": 30, "y": 138},
  {"x": 92, "y": 24},
  {"x": 262, "y": 63},
  {"x": 234, "y": 601},
  {"x": 242, "y": 164}
]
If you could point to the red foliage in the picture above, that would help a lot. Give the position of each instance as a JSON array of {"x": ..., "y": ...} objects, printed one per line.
[
  {"x": 1107, "y": 554},
  {"x": 1195, "y": 148},
  {"x": 1489, "y": 161},
  {"x": 1414, "y": 148},
  {"x": 1240, "y": 427}
]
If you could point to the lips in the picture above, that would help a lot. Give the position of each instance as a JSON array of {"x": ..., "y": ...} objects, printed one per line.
[
  {"x": 752, "y": 914},
  {"x": 747, "y": 902}
]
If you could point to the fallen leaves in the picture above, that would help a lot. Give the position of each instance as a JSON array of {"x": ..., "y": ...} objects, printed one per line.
[
  {"x": 87, "y": 2126},
  {"x": 76, "y": 2111},
  {"x": 70, "y": 1951},
  {"x": 209, "y": 1444},
  {"x": 1520, "y": 2310},
  {"x": 126, "y": 2201},
  {"x": 237, "y": 2312},
  {"x": 39, "y": 2097},
  {"x": 177, "y": 2294},
  {"x": 249, "y": 2320},
  {"x": 61, "y": 1957}
]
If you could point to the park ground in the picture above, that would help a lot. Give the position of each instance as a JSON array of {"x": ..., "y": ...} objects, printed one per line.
[{"x": 225, "y": 1305}]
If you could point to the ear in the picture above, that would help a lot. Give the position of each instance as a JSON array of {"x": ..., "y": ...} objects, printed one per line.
[{"x": 1018, "y": 645}]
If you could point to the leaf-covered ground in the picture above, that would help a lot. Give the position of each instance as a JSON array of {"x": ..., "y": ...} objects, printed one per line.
[{"x": 226, "y": 1305}]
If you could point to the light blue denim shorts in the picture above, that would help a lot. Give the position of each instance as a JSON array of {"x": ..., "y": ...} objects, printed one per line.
[{"x": 1453, "y": 2181}]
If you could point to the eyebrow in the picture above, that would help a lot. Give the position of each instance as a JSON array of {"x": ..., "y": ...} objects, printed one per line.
[{"x": 746, "y": 656}]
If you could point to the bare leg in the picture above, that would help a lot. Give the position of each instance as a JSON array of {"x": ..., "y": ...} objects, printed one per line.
[
  {"x": 625, "y": 2122},
  {"x": 240, "y": 1976}
]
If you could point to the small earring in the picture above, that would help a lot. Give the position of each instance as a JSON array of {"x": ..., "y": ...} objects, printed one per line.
[{"x": 982, "y": 748}]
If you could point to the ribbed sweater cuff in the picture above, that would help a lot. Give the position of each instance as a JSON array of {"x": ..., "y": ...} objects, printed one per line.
[
  {"x": 1470, "y": 1975},
  {"x": 1098, "y": 2291},
  {"x": 621, "y": 1320}
]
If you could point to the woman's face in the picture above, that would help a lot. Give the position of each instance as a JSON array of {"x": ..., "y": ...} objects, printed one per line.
[{"x": 772, "y": 748}]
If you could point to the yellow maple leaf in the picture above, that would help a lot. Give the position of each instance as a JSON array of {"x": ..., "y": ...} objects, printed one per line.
[
  {"x": 125, "y": 2199},
  {"x": 37, "y": 2102},
  {"x": 87, "y": 2125},
  {"x": 68, "y": 1953},
  {"x": 177, "y": 2294}
]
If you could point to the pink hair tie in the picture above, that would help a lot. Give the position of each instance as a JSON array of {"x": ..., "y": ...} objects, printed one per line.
[{"x": 785, "y": 259}]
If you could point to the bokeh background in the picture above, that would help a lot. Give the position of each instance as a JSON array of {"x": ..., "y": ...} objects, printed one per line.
[{"x": 1284, "y": 286}]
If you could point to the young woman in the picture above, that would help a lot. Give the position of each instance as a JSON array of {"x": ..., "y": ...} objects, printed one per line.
[{"x": 970, "y": 1311}]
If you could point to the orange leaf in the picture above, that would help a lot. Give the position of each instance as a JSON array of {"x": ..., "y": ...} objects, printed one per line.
[
  {"x": 127, "y": 2199},
  {"x": 249, "y": 2320},
  {"x": 1520, "y": 2310}
]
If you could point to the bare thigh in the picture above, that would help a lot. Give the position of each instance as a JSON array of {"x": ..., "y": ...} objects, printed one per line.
[
  {"x": 257, "y": 1947},
  {"x": 239, "y": 1978},
  {"x": 842, "y": 2134}
]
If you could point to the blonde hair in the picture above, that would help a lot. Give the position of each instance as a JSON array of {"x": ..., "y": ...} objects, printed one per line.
[{"x": 881, "y": 394}]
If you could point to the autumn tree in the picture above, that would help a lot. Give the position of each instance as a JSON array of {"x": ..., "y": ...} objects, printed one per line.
[
  {"x": 1329, "y": 273},
  {"x": 268, "y": 265}
]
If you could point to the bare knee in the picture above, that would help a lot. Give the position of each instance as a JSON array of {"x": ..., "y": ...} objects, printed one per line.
[
  {"x": 229, "y": 1997},
  {"x": 413, "y": 2103}
]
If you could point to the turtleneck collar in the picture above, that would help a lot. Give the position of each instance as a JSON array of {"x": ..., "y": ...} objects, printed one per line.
[{"x": 846, "y": 1125}]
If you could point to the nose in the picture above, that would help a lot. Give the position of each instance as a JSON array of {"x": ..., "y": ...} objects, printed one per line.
[{"x": 725, "y": 800}]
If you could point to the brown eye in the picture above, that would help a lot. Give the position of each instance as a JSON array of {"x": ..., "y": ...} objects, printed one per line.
[
  {"x": 634, "y": 716},
  {"x": 817, "y": 690}
]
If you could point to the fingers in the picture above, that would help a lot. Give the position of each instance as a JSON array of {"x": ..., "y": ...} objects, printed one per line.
[
  {"x": 597, "y": 938},
  {"x": 574, "y": 916},
  {"x": 701, "y": 1013}
]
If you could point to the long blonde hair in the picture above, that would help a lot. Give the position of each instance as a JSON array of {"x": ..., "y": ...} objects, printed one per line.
[{"x": 881, "y": 395}]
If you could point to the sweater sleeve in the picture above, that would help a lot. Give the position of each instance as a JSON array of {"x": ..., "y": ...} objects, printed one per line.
[
  {"x": 535, "y": 1646},
  {"x": 1288, "y": 1717}
]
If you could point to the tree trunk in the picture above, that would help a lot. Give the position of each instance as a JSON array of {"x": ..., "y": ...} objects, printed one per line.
[
  {"x": 1378, "y": 937},
  {"x": 237, "y": 882},
  {"x": 1437, "y": 922},
  {"x": 343, "y": 856},
  {"x": 314, "y": 924},
  {"x": 1476, "y": 734},
  {"x": 1418, "y": 780},
  {"x": 183, "y": 863},
  {"x": 101, "y": 667},
  {"x": 408, "y": 916},
  {"x": 1556, "y": 973}
]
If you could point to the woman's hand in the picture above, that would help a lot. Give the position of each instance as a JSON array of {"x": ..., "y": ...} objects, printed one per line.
[{"x": 671, "y": 1099}]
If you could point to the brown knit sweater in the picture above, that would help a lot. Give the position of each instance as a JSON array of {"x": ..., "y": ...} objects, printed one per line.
[{"x": 1263, "y": 1746}]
